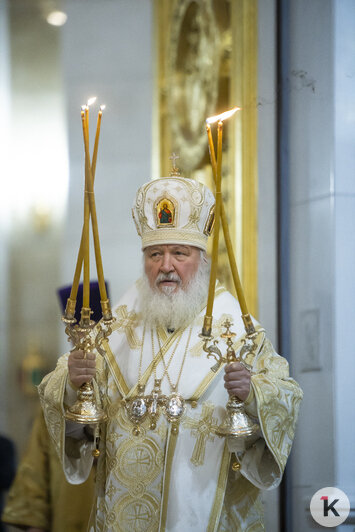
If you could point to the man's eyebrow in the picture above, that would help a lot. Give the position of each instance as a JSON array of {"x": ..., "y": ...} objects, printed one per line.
[
  {"x": 152, "y": 249},
  {"x": 180, "y": 246}
]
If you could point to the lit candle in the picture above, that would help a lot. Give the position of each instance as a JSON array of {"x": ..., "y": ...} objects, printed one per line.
[
  {"x": 214, "y": 260},
  {"x": 232, "y": 262},
  {"x": 96, "y": 144},
  {"x": 105, "y": 304},
  {"x": 79, "y": 263},
  {"x": 71, "y": 303},
  {"x": 223, "y": 116},
  {"x": 219, "y": 215},
  {"x": 90, "y": 177},
  {"x": 86, "y": 243},
  {"x": 91, "y": 198},
  {"x": 88, "y": 103}
]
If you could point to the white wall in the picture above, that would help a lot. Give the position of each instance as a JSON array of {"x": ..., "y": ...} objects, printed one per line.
[
  {"x": 322, "y": 218},
  {"x": 312, "y": 247},
  {"x": 344, "y": 252},
  {"x": 267, "y": 201},
  {"x": 33, "y": 199},
  {"x": 107, "y": 53}
]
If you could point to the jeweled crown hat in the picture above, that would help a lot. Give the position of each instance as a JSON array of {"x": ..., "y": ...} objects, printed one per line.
[{"x": 174, "y": 210}]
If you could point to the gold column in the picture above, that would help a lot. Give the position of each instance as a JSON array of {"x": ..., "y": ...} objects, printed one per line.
[{"x": 244, "y": 227}]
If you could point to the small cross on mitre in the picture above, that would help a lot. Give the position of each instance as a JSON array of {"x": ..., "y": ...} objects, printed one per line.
[{"x": 175, "y": 171}]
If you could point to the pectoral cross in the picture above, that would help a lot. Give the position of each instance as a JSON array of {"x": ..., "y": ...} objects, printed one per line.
[
  {"x": 153, "y": 407},
  {"x": 155, "y": 401},
  {"x": 203, "y": 428}
]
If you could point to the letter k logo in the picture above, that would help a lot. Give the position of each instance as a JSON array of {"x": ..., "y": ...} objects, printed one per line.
[
  {"x": 330, "y": 506},
  {"x": 327, "y": 507}
]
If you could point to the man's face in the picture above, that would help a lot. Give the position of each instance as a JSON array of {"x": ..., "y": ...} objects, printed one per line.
[{"x": 170, "y": 266}]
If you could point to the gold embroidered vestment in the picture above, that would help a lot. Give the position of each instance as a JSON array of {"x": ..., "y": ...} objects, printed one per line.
[{"x": 164, "y": 479}]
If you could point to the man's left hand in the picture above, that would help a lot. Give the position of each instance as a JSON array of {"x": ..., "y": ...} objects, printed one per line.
[{"x": 237, "y": 380}]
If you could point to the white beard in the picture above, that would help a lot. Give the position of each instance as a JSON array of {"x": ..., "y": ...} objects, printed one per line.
[{"x": 175, "y": 309}]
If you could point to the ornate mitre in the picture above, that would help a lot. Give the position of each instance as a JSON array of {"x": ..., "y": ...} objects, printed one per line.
[{"x": 174, "y": 210}]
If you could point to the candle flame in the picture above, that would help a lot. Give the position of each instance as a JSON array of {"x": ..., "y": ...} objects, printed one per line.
[
  {"x": 83, "y": 107},
  {"x": 222, "y": 116},
  {"x": 102, "y": 107},
  {"x": 91, "y": 100}
]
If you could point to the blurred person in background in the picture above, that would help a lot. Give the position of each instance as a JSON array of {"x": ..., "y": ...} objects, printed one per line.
[{"x": 40, "y": 498}]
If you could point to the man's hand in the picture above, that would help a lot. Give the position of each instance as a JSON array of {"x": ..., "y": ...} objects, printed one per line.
[
  {"x": 81, "y": 368},
  {"x": 237, "y": 380}
]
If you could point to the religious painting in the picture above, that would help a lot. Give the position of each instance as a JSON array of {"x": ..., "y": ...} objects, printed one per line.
[
  {"x": 193, "y": 90},
  {"x": 206, "y": 57},
  {"x": 165, "y": 213}
]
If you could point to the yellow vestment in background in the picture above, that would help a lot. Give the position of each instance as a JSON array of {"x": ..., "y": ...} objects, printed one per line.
[{"x": 40, "y": 496}]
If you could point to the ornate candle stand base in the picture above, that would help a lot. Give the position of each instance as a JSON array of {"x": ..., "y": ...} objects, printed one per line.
[
  {"x": 85, "y": 410},
  {"x": 85, "y": 336},
  {"x": 237, "y": 423}
]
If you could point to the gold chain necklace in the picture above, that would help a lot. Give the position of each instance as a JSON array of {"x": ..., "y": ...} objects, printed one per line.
[
  {"x": 136, "y": 407},
  {"x": 174, "y": 387},
  {"x": 166, "y": 366},
  {"x": 173, "y": 405},
  {"x": 141, "y": 358}
]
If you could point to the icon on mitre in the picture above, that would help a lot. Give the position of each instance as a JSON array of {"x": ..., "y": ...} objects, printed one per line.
[{"x": 165, "y": 211}]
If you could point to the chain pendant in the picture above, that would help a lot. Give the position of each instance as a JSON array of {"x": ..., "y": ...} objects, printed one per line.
[
  {"x": 174, "y": 407},
  {"x": 143, "y": 406},
  {"x": 137, "y": 409},
  {"x": 155, "y": 401}
]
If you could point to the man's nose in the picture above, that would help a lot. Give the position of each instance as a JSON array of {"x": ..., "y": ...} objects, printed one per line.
[{"x": 167, "y": 263}]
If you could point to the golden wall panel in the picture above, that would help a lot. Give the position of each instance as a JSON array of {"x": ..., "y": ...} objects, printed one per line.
[{"x": 206, "y": 63}]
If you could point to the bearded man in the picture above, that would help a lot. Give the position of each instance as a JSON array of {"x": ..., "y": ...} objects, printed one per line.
[{"x": 161, "y": 464}]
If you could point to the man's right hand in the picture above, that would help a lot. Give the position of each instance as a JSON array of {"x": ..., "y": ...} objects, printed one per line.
[{"x": 81, "y": 367}]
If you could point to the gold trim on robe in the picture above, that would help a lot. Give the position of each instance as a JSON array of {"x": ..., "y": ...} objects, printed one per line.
[{"x": 144, "y": 481}]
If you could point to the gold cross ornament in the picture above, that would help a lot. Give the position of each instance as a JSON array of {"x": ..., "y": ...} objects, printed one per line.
[
  {"x": 203, "y": 429},
  {"x": 127, "y": 321}
]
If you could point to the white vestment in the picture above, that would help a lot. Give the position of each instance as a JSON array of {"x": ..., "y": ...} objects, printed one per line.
[{"x": 187, "y": 480}]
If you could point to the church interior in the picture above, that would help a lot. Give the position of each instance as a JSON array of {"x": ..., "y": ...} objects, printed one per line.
[{"x": 159, "y": 68}]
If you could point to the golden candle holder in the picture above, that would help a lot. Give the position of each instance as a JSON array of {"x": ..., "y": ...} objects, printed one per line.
[
  {"x": 220, "y": 217},
  {"x": 86, "y": 335},
  {"x": 236, "y": 423}
]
